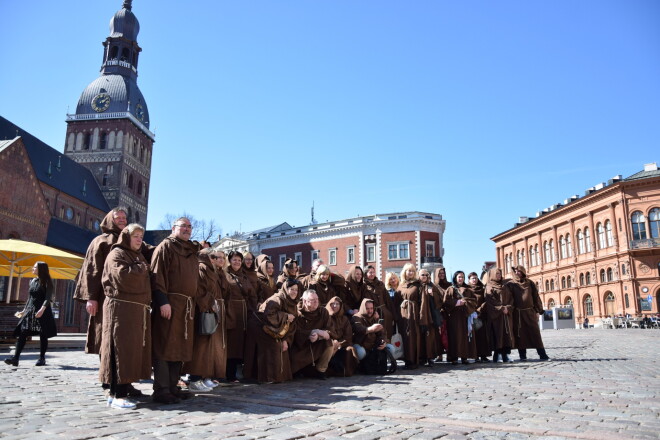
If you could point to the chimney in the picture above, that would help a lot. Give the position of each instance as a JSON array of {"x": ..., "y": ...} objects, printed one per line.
[{"x": 650, "y": 166}]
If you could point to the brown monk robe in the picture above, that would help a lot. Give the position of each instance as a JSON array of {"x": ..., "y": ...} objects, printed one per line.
[
  {"x": 345, "y": 360},
  {"x": 460, "y": 303},
  {"x": 326, "y": 284},
  {"x": 220, "y": 336},
  {"x": 290, "y": 270},
  {"x": 527, "y": 308},
  {"x": 361, "y": 323},
  {"x": 440, "y": 277},
  {"x": 415, "y": 314},
  {"x": 308, "y": 278},
  {"x": 205, "y": 360},
  {"x": 241, "y": 303},
  {"x": 175, "y": 270},
  {"x": 354, "y": 289},
  {"x": 264, "y": 289},
  {"x": 126, "y": 342},
  {"x": 433, "y": 302},
  {"x": 375, "y": 290},
  {"x": 273, "y": 352},
  {"x": 441, "y": 283},
  {"x": 498, "y": 313},
  {"x": 314, "y": 342},
  {"x": 481, "y": 335}
]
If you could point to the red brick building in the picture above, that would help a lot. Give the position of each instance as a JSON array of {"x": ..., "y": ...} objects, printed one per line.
[
  {"x": 386, "y": 241},
  {"x": 599, "y": 253}
]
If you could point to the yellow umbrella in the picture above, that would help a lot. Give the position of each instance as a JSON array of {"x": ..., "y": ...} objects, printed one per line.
[{"x": 17, "y": 258}]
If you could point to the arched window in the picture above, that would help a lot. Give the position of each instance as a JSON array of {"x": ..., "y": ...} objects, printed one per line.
[
  {"x": 536, "y": 255},
  {"x": 587, "y": 239},
  {"x": 130, "y": 181},
  {"x": 588, "y": 305},
  {"x": 638, "y": 225},
  {"x": 87, "y": 141},
  {"x": 125, "y": 55},
  {"x": 581, "y": 279},
  {"x": 625, "y": 298},
  {"x": 113, "y": 53},
  {"x": 569, "y": 245},
  {"x": 552, "y": 284},
  {"x": 125, "y": 179},
  {"x": 137, "y": 217},
  {"x": 600, "y": 232},
  {"x": 608, "y": 233},
  {"x": 547, "y": 285},
  {"x": 139, "y": 189},
  {"x": 546, "y": 247},
  {"x": 552, "y": 250},
  {"x": 109, "y": 168},
  {"x": 654, "y": 221},
  {"x": 568, "y": 282},
  {"x": 568, "y": 301},
  {"x": 531, "y": 256},
  {"x": 103, "y": 140},
  {"x": 602, "y": 276},
  {"x": 588, "y": 278},
  {"x": 610, "y": 297},
  {"x": 610, "y": 274},
  {"x": 580, "y": 239},
  {"x": 562, "y": 247},
  {"x": 551, "y": 303},
  {"x": 563, "y": 282},
  {"x": 623, "y": 269}
]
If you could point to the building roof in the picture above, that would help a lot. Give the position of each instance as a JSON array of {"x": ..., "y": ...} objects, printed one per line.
[
  {"x": 650, "y": 170},
  {"x": 55, "y": 169},
  {"x": 68, "y": 237}
]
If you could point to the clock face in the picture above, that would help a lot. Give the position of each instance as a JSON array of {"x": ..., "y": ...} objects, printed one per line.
[
  {"x": 101, "y": 102},
  {"x": 69, "y": 213},
  {"x": 139, "y": 112}
]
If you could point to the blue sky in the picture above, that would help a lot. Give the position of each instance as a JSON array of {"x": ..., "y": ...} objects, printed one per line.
[{"x": 480, "y": 111}]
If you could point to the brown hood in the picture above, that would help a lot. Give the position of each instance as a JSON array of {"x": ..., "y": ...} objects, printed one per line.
[
  {"x": 362, "y": 312},
  {"x": 254, "y": 263},
  {"x": 124, "y": 241},
  {"x": 341, "y": 310},
  {"x": 515, "y": 277},
  {"x": 108, "y": 225},
  {"x": 491, "y": 281},
  {"x": 262, "y": 273},
  {"x": 442, "y": 283},
  {"x": 183, "y": 248},
  {"x": 205, "y": 259}
]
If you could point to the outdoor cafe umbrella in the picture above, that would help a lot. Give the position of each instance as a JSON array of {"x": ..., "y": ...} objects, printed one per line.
[{"x": 17, "y": 258}]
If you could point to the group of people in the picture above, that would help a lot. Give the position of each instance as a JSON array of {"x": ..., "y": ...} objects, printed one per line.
[{"x": 182, "y": 308}]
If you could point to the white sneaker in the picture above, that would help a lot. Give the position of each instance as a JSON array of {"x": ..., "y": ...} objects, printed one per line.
[
  {"x": 198, "y": 387},
  {"x": 122, "y": 403},
  {"x": 209, "y": 383}
]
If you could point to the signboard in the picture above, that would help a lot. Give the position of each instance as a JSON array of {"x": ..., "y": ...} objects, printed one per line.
[{"x": 645, "y": 304}]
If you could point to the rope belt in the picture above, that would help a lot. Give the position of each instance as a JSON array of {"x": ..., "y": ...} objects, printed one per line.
[
  {"x": 189, "y": 311},
  {"x": 147, "y": 310}
]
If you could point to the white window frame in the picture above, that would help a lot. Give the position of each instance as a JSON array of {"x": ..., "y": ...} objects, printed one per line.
[
  {"x": 398, "y": 245},
  {"x": 332, "y": 256},
  {"x": 348, "y": 254},
  {"x": 282, "y": 260},
  {"x": 371, "y": 247},
  {"x": 315, "y": 255}
]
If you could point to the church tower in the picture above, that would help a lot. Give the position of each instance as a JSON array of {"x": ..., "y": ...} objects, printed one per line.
[{"x": 109, "y": 133}]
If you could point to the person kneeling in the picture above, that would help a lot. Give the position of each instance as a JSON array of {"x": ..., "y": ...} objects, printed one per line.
[{"x": 369, "y": 341}]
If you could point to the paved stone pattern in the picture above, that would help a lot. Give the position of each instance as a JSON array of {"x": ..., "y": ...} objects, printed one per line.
[{"x": 600, "y": 384}]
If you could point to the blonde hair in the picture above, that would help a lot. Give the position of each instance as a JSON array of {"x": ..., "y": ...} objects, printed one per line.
[
  {"x": 388, "y": 279},
  {"x": 322, "y": 269},
  {"x": 135, "y": 227},
  {"x": 405, "y": 269}
]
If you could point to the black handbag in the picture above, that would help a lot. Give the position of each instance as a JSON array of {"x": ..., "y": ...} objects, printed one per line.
[{"x": 207, "y": 323}]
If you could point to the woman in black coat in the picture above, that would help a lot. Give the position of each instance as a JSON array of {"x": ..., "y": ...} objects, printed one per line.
[{"x": 37, "y": 316}]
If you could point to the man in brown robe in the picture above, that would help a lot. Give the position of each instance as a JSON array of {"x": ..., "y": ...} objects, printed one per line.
[
  {"x": 367, "y": 332},
  {"x": 314, "y": 342},
  {"x": 527, "y": 308},
  {"x": 174, "y": 268}
]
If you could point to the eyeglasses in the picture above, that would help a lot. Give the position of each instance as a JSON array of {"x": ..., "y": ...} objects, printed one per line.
[
  {"x": 184, "y": 226},
  {"x": 423, "y": 274}
]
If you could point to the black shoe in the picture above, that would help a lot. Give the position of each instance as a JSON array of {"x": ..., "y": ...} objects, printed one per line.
[
  {"x": 545, "y": 358},
  {"x": 12, "y": 361},
  {"x": 134, "y": 392},
  {"x": 167, "y": 399},
  {"x": 484, "y": 359},
  {"x": 41, "y": 362}
]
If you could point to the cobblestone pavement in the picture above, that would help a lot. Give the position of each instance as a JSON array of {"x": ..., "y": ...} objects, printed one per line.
[{"x": 600, "y": 384}]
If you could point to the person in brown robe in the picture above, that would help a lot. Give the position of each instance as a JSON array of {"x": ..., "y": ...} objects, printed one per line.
[
  {"x": 175, "y": 273},
  {"x": 440, "y": 277},
  {"x": 460, "y": 303},
  {"x": 345, "y": 360},
  {"x": 434, "y": 304},
  {"x": 326, "y": 284},
  {"x": 241, "y": 303},
  {"x": 412, "y": 302},
  {"x": 308, "y": 278},
  {"x": 88, "y": 287},
  {"x": 290, "y": 270},
  {"x": 204, "y": 363},
  {"x": 441, "y": 340},
  {"x": 220, "y": 336},
  {"x": 375, "y": 290},
  {"x": 264, "y": 285},
  {"x": 368, "y": 333},
  {"x": 498, "y": 313},
  {"x": 277, "y": 312},
  {"x": 314, "y": 341},
  {"x": 527, "y": 308},
  {"x": 126, "y": 342},
  {"x": 354, "y": 289},
  {"x": 481, "y": 334}
]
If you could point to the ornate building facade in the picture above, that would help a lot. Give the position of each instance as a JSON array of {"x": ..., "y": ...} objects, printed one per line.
[{"x": 599, "y": 253}]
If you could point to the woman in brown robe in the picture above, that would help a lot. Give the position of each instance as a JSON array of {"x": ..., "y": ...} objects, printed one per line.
[
  {"x": 415, "y": 317},
  {"x": 345, "y": 360},
  {"x": 441, "y": 341},
  {"x": 290, "y": 270},
  {"x": 440, "y": 277},
  {"x": 434, "y": 304},
  {"x": 460, "y": 302},
  {"x": 480, "y": 334},
  {"x": 265, "y": 288},
  {"x": 126, "y": 341},
  {"x": 528, "y": 307},
  {"x": 241, "y": 299},
  {"x": 354, "y": 290},
  {"x": 205, "y": 360},
  {"x": 375, "y": 290},
  {"x": 277, "y": 312},
  {"x": 326, "y": 284},
  {"x": 498, "y": 312},
  {"x": 220, "y": 335}
]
